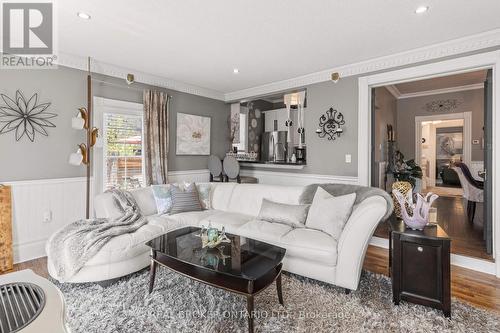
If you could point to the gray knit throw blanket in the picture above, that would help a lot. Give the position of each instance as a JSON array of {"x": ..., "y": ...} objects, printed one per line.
[{"x": 73, "y": 246}]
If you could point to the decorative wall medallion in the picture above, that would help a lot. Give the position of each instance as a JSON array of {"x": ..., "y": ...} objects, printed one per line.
[
  {"x": 24, "y": 116},
  {"x": 442, "y": 105},
  {"x": 329, "y": 124}
]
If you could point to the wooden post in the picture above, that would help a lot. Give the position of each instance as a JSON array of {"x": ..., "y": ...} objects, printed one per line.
[{"x": 6, "y": 260}]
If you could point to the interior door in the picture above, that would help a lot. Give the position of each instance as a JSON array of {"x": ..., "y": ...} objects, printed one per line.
[{"x": 488, "y": 167}]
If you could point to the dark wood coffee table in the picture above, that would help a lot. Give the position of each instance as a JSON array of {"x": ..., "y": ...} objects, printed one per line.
[{"x": 244, "y": 266}]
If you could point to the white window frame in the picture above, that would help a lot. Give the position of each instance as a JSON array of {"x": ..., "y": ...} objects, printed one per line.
[{"x": 106, "y": 105}]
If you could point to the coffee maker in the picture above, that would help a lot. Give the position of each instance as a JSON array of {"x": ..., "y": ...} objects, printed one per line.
[{"x": 300, "y": 154}]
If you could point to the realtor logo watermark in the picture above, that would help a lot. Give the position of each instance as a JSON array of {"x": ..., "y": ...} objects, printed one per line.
[{"x": 28, "y": 32}]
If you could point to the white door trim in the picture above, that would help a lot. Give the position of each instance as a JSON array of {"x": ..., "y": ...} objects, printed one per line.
[
  {"x": 453, "y": 66},
  {"x": 467, "y": 139}
]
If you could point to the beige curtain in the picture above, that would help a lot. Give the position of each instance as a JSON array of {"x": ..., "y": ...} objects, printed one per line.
[{"x": 156, "y": 110}]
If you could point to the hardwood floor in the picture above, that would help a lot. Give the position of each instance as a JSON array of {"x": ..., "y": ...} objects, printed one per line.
[
  {"x": 479, "y": 289},
  {"x": 39, "y": 266},
  {"x": 467, "y": 237}
]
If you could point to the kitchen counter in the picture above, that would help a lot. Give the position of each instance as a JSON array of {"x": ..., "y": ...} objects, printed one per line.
[{"x": 273, "y": 165}]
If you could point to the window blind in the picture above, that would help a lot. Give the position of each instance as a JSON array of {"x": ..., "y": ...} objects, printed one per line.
[{"x": 122, "y": 151}]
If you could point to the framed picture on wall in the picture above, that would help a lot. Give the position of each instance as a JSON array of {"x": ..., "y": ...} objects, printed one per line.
[{"x": 193, "y": 134}]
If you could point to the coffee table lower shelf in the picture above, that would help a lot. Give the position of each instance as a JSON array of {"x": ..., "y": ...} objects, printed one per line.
[{"x": 248, "y": 288}]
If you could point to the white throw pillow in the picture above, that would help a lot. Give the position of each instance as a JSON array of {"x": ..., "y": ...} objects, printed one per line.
[
  {"x": 276, "y": 212},
  {"x": 328, "y": 213}
]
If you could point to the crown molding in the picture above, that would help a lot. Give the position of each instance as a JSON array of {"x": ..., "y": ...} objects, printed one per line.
[
  {"x": 450, "y": 48},
  {"x": 394, "y": 91},
  {"x": 442, "y": 91},
  {"x": 78, "y": 62}
]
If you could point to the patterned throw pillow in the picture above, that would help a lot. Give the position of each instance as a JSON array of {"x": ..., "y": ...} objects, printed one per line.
[
  {"x": 205, "y": 194},
  {"x": 185, "y": 201},
  {"x": 163, "y": 198}
]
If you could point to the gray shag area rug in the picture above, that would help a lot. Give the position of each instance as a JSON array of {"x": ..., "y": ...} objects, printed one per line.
[{"x": 179, "y": 304}]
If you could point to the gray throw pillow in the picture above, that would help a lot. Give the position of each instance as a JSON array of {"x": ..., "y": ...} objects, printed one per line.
[
  {"x": 292, "y": 215},
  {"x": 184, "y": 201}
]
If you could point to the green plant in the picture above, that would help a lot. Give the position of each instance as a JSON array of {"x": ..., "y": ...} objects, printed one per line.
[{"x": 406, "y": 170}]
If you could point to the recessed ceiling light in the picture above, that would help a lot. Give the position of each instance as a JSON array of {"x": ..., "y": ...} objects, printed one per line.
[
  {"x": 421, "y": 9},
  {"x": 236, "y": 71},
  {"x": 83, "y": 15}
]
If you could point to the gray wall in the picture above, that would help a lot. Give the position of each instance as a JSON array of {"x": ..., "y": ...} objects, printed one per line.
[
  {"x": 325, "y": 156},
  {"x": 65, "y": 88},
  {"x": 409, "y": 108}
]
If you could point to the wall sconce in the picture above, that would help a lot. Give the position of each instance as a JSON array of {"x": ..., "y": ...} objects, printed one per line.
[
  {"x": 335, "y": 77},
  {"x": 329, "y": 124},
  {"x": 81, "y": 120},
  {"x": 80, "y": 156}
]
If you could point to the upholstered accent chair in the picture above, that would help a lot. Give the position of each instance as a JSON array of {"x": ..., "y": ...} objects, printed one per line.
[{"x": 473, "y": 189}]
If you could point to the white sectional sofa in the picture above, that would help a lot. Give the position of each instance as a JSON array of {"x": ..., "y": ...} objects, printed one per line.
[{"x": 309, "y": 252}]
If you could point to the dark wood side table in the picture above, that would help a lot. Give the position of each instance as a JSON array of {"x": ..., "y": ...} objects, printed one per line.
[{"x": 419, "y": 263}]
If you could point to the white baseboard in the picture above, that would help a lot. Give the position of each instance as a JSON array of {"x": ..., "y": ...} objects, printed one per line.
[
  {"x": 475, "y": 264},
  {"x": 29, "y": 250},
  {"x": 289, "y": 178}
]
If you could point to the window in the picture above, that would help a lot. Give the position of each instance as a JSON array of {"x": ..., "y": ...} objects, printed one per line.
[
  {"x": 120, "y": 162},
  {"x": 123, "y": 158}
]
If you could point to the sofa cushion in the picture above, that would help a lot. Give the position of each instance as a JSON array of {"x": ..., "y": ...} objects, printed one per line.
[
  {"x": 127, "y": 246},
  {"x": 310, "y": 245},
  {"x": 221, "y": 195},
  {"x": 329, "y": 213},
  {"x": 264, "y": 231},
  {"x": 184, "y": 201},
  {"x": 105, "y": 206},
  {"x": 292, "y": 215},
  {"x": 231, "y": 221},
  {"x": 247, "y": 198},
  {"x": 205, "y": 194},
  {"x": 187, "y": 219},
  {"x": 145, "y": 200},
  {"x": 163, "y": 197}
]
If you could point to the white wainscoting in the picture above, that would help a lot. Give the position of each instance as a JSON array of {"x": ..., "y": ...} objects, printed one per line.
[
  {"x": 200, "y": 176},
  {"x": 289, "y": 178},
  {"x": 63, "y": 199}
]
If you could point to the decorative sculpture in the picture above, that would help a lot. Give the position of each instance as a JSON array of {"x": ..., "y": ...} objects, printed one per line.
[
  {"x": 420, "y": 211},
  {"x": 212, "y": 237}
]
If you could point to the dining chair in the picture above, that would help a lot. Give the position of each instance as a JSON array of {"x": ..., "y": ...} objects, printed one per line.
[
  {"x": 215, "y": 168},
  {"x": 231, "y": 168},
  {"x": 473, "y": 189}
]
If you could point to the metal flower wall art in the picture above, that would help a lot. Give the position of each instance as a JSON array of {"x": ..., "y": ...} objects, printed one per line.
[
  {"x": 442, "y": 105},
  {"x": 330, "y": 124},
  {"x": 24, "y": 116}
]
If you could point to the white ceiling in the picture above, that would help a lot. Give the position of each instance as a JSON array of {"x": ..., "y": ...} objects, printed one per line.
[{"x": 200, "y": 42}]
